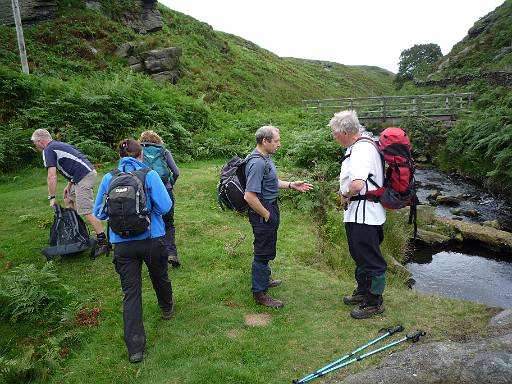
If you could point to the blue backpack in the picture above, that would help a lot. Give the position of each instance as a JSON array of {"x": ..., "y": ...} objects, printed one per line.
[{"x": 154, "y": 158}]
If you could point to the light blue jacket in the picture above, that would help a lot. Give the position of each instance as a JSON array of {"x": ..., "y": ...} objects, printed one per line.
[{"x": 158, "y": 201}]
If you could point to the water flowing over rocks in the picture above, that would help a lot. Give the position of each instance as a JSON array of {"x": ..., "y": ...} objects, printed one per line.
[{"x": 483, "y": 361}]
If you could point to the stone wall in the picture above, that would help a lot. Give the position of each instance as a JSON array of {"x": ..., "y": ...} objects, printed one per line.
[{"x": 32, "y": 11}]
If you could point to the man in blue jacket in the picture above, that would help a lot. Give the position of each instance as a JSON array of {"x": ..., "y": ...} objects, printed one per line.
[{"x": 131, "y": 251}]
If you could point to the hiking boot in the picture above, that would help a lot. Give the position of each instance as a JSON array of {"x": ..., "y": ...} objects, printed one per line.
[
  {"x": 274, "y": 283},
  {"x": 136, "y": 357},
  {"x": 173, "y": 260},
  {"x": 102, "y": 247},
  {"x": 354, "y": 299},
  {"x": 366, "y": 311},
  {"x": 167, "y": 313},
  {"x": 264, "y": 299}
]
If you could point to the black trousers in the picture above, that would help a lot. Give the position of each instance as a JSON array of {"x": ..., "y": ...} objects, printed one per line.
[
  {"x": 265, "y": 241},
  {"x": 364, "y": 246},
  {"x": 128, "y": 258},
  {"x": 170, "y": 229}
]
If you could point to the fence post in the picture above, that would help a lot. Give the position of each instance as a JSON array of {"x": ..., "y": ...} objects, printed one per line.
[
  {"x": 384, "y": 109},
  {"x": 19, "y": 34}
]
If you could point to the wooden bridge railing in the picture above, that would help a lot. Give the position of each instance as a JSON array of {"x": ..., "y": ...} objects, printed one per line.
[{"x": 443, "y": 106}]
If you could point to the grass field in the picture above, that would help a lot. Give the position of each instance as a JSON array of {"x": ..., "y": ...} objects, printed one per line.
[{"x": 208, "y": 340}]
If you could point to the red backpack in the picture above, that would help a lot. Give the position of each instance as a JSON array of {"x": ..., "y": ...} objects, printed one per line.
[{"x": 398, "y": 190}]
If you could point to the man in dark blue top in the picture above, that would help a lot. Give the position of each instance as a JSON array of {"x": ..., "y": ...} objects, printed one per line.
[
  {"x": 261, "y": 194},
  {"x": 81, "y": 176}
]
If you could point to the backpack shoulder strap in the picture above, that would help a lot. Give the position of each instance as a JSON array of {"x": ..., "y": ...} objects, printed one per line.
[
  {"x": 362, "y": 138},
  {"x": 115, "y": 172},
  {"x": 141, "y": 174},
  {"x": 256, "y": 155}
]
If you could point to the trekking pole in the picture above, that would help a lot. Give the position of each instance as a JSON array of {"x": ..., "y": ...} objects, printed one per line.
[
  {"x": 389, "y": 332},
  {"x": 414, "y": 337}
]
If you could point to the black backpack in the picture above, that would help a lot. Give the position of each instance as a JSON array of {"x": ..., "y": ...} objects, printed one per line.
[
  {"x": 68, "y": 234},
  {"x": 125, "y": 202},
  {"x": 231, "y": 187}
]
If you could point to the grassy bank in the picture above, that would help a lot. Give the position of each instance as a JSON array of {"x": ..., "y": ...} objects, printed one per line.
[{"x": 208, "y": 340}]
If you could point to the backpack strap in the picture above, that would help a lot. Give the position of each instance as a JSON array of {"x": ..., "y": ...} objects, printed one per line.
[
  {"x": 266, "y": 170},
  {"x": 362, "y": 138},
  {"x": 256, "y": 155},
  {"x": 369, "y": 179}
]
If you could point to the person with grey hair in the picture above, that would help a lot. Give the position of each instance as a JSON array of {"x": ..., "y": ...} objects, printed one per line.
[
  {"x": 261, "y": 194},
  {"x": 362, "y": 171},
  {"x": 81, "y": 175}
]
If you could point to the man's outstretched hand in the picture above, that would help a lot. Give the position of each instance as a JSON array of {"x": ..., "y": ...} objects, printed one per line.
[{"x": 301, "y": 186}]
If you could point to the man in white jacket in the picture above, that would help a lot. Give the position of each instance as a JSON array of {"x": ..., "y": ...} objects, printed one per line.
[{"x": 362, "y": 171}]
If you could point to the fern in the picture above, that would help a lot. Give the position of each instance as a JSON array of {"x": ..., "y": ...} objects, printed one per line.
[{"x": 32, "y": 294}]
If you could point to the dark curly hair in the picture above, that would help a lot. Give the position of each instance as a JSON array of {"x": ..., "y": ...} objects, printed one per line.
[{"x": 129, "y": 148}]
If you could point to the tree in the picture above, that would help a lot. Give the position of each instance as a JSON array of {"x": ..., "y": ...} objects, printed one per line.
[{"x": 415, "y": 61}]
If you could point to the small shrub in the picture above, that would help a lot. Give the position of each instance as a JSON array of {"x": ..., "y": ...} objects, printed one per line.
[
  {"x": 31, "y": 294},
  {"x": 96, "y": 151},
  {"x": 427, "y": 136}
]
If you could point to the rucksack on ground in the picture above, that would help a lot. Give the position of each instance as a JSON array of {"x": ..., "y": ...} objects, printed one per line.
[
  {"x": 154, "y": 158},
  {"x": 68, "y": 234},
  {"x": 398, "y": 190},
  {"x": 231, "y": 187},
  {"x": 125, "y": 202}
]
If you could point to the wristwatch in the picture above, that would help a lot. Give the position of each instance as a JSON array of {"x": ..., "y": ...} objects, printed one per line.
[{"x": 51, "y": 197}]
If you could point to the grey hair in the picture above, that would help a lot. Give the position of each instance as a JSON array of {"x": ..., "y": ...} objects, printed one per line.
[
  {"x": 265, "y": 132},
  {"x": 345, "y": 121},
  {"x": 41, "y": 134}
]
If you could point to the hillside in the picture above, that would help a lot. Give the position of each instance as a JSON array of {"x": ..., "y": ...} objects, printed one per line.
[
  {"x": 222, "y": 70},
  {"x": 487, "y": 47},
  {"x": 84, "y": 91}
]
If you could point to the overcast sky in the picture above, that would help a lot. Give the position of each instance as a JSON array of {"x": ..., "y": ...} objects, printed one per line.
[{"x": 354, "y": 32}]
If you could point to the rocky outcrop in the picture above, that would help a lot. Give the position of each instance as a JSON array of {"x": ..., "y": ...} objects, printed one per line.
[
  {"x": 146, "y": 19},
  {"x": 490, "y": 237},
  {"x": 143, "y": 19},
  {"x": 161, "y": 64},
  {"x": 484, "y": 361},
  {"x": 481, "y": 25},
  {"x": 432, "y": 238},
  {"x": 31, "y": 11},
  {"x": 497, "y": 78}
]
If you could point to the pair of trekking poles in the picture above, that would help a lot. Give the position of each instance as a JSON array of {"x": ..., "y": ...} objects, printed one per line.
[{"x": 343, "y": 362}]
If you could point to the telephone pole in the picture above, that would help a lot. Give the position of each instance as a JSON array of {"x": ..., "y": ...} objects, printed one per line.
[{"x": 19, "y": 33}]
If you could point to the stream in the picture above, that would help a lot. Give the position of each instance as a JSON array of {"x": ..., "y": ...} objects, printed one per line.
[{"x": 468, "y": 272}]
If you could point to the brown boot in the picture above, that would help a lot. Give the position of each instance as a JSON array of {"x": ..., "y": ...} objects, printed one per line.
[
  {"x": 366, "y": 311},
  {"x": 370, "y": 307},
  {"x": 354, "y": 299},
  {"x": 358, "y": 297},
  {"x": 264, "y": 299}
]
